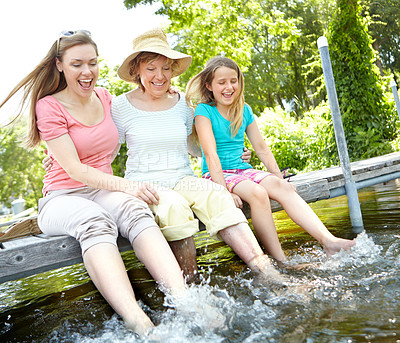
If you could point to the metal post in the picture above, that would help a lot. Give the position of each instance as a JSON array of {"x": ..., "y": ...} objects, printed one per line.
[
  {"x": 395, "y": 95},
  {"x": 350, "y": 186}
]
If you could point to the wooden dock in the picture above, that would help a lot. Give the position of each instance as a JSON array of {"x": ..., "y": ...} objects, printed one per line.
[{"x": 35, "y": 254}]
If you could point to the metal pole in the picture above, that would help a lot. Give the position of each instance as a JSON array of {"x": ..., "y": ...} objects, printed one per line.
[
  {"x": 350, "y": 186},
  {"x": 395, "y": 95}
]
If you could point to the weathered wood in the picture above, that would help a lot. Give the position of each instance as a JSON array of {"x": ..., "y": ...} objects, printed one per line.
[
  {"x": 361, "y": 170},
  {"x": 35, "y": 254}
]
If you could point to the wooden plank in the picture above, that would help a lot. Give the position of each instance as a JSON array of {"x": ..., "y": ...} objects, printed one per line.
[
  {"x": 366, "y": 175},
  {"x": 31, "y": 255},
  {"x": 36, "y": 254},
  {"x": 372, "y": 173},
  {"x": 361, "y": 170}
]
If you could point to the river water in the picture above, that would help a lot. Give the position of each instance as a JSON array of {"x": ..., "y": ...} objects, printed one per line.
[{"x": 351, "y": 297}]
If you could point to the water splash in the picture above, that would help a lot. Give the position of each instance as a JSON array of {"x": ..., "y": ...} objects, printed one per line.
[{"x": 365, "y": 252}]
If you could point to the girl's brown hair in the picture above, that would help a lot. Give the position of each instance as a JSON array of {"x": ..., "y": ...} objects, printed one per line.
[
  {"x": 45, "y": 80},
  {"x": 197, "y": 92}
]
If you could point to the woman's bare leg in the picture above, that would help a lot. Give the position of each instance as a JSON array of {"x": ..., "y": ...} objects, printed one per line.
[
  {"x": 107, "y": 271},
  {"x": 243, "y": 242},
  {"x": 185, "y": 253},
  {"x": 153, "y": 251}
]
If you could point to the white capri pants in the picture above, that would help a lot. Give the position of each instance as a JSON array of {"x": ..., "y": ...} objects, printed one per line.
[{"x": 93, "y": 216}]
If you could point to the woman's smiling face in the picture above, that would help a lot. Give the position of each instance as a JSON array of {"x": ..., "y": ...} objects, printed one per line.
[
  {"x": 156, "y": 75},
  {"x": 81, "y": 70}
]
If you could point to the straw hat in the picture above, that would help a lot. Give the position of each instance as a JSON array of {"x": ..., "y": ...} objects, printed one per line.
[{"x": 154, "y": 41}]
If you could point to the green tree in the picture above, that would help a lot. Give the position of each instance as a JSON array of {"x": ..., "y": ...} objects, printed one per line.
[
  {"x": 21, "y": 170},
  {"x": 385, "y": 31},
  {"x": 368, "y": 118}
]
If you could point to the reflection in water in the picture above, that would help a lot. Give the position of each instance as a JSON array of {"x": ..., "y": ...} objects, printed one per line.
[{"x": 351, "y": 297}]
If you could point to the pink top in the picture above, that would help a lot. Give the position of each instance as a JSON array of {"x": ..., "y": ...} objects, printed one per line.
[{"x": 94, "y": 143}]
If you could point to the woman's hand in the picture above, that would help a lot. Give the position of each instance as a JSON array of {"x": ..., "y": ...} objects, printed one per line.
[
  {"x": 47, "y": 161},
  {"x": 237, "y": 200},
  {"x": 246, "y": 155},
  {"x": 145, "y": 192}
]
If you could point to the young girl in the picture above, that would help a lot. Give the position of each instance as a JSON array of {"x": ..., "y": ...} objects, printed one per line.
[{"x": 221, "y": 120}]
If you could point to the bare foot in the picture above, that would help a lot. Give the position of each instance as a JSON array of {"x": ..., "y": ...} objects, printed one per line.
[
  {"x": 337, "y": 244},
  {"x": 140, "y": 324},
  {"x": 264, "y": 269},
  {"x": 189, "y": 306}
]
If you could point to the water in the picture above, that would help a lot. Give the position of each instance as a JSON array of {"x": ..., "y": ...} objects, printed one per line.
[{"x": 352, "y": 297}]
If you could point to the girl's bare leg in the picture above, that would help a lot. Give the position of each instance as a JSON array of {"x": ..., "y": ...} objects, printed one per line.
[
  {"x": 107, "y": 271},
  {"x": 302, "y": 214},
  {"x": 261, "y": 215}
]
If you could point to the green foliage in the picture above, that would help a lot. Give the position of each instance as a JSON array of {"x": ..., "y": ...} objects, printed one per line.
[
  {"x": 384, "y": 28},
  {"x": 209, "y": 28},
  {"x": 21, "y": 170},
  {"x": 269, "y": 76},
  {"x": 109, "y": 79},
  {"x": 368, "y": 117},
  {"x": 285, "y": 61},
  {"x": 302, "y": 145}
]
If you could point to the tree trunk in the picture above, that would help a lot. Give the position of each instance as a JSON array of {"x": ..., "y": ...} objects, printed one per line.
[{"x": 378, "y": 62}]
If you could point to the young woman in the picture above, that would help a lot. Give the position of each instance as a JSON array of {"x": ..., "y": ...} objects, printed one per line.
[
  {"x": 221, "y": 120},
  {"x": 81, "y": 196}
]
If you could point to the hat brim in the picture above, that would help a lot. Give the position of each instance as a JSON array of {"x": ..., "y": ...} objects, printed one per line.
[{"x": 183, "y": 62}]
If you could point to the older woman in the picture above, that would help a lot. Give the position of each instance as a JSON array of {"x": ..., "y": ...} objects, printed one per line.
[{"x": 156, "y": 125}]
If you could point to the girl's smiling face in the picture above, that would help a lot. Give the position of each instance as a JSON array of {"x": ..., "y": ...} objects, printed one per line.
[{"x": 224, "y": 87}]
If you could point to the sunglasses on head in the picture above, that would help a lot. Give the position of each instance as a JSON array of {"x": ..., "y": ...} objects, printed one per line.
[{"x": 70, "y": 33}]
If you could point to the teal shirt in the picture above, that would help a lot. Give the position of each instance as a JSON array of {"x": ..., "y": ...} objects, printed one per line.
[{"x": 229, "y": 149}]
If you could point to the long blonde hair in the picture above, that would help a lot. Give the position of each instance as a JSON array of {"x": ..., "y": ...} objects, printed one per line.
[
  {"x": 197, "y": 92},
  {"x": 45, "y": 80}
]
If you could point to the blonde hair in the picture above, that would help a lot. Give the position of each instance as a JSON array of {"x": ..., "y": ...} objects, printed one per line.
[
  {"x": 145, "y": 57},
  {"x": 45, "y": 80},
  {"x": 197, "y": 92}
]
